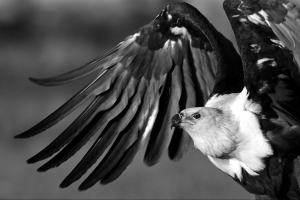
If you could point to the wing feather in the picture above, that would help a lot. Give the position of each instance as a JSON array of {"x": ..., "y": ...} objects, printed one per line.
[
  {"x": 114, "y": 154},
  {"x": 122, "y": 164},
  {"x": 268, "y": 40},
  {"x": 79, "y": 72},
  {"x": 205, "y": 77},
  {"x": 149, "y": 108},
  {"x": 105, "y": 102},
  {"x": 98, "y": 86},
  {"x": 158, "y": 144},
  {"x": 142, "y": 83},
  {"x": 181, "y": 140},
  {"x": 267, "y": 33},
  {"x": 114, "y": 159},
  {"x": 124, "y": 140},
  {"x": 67, "y": 135},
  {"x": 105, "y": 139}
]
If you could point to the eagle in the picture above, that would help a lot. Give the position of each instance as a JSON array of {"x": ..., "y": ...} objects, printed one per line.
[{"x": 178, "y": 80}]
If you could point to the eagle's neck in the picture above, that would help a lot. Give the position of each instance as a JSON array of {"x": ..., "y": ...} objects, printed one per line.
[
  {"x": 216, "y": 134},
  {"x": 250, "y": 144}
]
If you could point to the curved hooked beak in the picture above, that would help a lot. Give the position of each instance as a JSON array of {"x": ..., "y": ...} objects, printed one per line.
[{"x": 176, "y": 120}]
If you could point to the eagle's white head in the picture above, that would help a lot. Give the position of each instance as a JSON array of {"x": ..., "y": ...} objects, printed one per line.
[
  {"x": 228, "y": 132},
  {"x": 212, "y": 130}
]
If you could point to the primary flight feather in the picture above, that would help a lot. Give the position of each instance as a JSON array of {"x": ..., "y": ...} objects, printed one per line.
[{"x": 249, "y": 127}]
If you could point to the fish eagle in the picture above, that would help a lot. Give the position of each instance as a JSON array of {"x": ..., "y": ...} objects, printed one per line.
[{"x": 178, "y": 80}]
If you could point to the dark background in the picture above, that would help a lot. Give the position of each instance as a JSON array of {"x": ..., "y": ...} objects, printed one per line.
[{"x": 42, "y": 38}]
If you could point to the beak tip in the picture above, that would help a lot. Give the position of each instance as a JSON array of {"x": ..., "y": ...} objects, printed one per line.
[{"x": 175, "y": 121}]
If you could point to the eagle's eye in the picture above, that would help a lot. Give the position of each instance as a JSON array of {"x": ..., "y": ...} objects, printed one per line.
[{"x": 196, "y": 115}]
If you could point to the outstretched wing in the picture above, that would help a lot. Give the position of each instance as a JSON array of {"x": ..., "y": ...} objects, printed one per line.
[
  {"x": 161, "y": 69},
  {"x": 268, "y": 36}
]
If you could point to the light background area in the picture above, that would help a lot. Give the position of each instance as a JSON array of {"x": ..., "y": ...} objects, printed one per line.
[{"x": 43, "y": 38}]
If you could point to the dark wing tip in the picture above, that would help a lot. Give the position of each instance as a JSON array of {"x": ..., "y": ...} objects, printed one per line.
[
  {"x": 65, "y": 184},
  {"x": 44, "y": 168},
  {"x": 31, "y": 160},
  {"x": 39, "y": 156},
  {"x": 20, "y": 136},
  {"x": 44, "y": 81},
  {"x": 74, "y": 74},
  {"x": 151, "y": 159},
  {"x": 27, "y": 134},
  {"x": 84, "y": 186}
]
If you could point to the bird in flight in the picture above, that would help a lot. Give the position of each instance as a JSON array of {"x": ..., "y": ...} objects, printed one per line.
[{"x": 242, "y": 109}]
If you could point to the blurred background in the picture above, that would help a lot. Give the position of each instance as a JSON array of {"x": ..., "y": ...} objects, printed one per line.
[{"x": 43, "y": 38}]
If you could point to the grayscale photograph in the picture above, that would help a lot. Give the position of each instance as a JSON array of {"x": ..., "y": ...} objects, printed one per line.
[{"x": 150, "y": 99}]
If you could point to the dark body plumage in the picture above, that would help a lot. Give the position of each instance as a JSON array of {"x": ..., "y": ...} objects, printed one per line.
[
  {"x": 275, "y": 84},
  {"x": 177, "y": 61}
]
